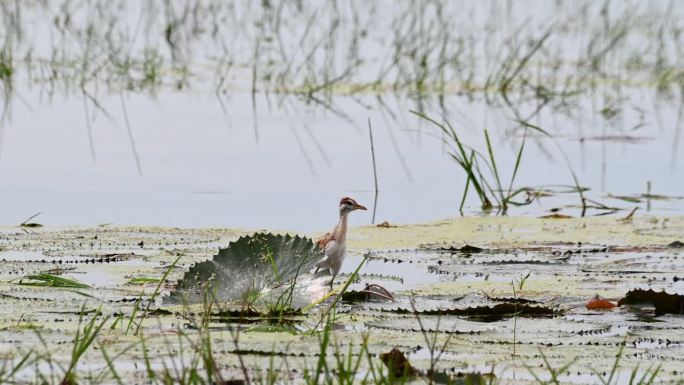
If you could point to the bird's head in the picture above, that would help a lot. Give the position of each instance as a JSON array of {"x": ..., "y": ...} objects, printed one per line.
[{"x": 348, "y": 205}]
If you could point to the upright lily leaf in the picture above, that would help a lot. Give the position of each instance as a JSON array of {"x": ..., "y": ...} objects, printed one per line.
[{"x": 248, "y": 265}]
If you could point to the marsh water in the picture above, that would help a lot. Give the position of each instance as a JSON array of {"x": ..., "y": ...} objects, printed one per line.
[
  {"x": 212, "y": 114},
  {"x": 208, "y": 117},
  {"x": 457, "y": 296}
]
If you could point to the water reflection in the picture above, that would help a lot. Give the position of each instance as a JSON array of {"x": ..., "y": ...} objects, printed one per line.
[{"x": 114, "y": 114}]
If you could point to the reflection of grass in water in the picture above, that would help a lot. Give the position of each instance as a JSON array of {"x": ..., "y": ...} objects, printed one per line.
[
  {"x": 315, "y": 52},
  {"x": 312, "y": 49}
]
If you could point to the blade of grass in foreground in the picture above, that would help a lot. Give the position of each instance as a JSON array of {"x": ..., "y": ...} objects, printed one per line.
[
  {"x": 6, "y": 377},
  {"x": 82, "y": 343},
  {"x": 156, "y": 292},
  {"x": 338, "y": 292}
]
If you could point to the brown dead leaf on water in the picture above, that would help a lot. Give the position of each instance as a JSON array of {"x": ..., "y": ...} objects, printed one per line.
[
  {"x": 598, "y": 303},
  {"x": 397, "y": 363},
  {"x": 385, "y": 224}
]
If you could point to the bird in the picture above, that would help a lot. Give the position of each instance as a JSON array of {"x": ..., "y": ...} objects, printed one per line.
[{"x": 334, "y": 244}]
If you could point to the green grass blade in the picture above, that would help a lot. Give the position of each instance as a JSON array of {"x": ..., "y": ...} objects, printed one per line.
[
  {"x": 110, "y": 365},
  {"x": 495, "y": 169},
  {"x": 157, "y": 291},
  {"x": 509, "y": 194},
  {"x": 51, "y": 281}
]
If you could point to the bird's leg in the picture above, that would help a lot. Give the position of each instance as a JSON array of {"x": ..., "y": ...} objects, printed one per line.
[{"x": 334, "y": 274}]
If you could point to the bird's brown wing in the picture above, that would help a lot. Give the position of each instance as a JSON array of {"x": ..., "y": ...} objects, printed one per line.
[{"x": 323, "y": 241}]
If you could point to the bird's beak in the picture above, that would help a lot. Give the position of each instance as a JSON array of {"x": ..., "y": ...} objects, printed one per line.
[{"x": 360, "y": 207}]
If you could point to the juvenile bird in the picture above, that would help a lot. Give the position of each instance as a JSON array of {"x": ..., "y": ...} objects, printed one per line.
[{"x": 335, "y": 243}]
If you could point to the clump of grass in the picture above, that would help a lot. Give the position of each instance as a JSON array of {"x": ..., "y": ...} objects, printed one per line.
[
  {"x": 153, "y": 297},
  {"x": 553, "y": 372},
  {"x": 486, "y": 181},
  {"x": 82, "y": 341},
  {"x": 611, "y": 377},
  {"x": 482, "y": 170},
  {"x": 435, "y": 350}
]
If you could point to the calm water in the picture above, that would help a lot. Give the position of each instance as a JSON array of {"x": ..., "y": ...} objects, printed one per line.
[{"x": 282, "y": 161}]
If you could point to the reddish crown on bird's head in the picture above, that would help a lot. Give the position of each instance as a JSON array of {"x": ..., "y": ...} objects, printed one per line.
[
  {"x": 348, "y": 204},
  {"x": 347, "y": 200}
]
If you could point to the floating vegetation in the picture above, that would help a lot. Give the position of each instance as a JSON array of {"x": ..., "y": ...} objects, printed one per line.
[
  {"x": 51, "y": 281},
  {"x": 372, "y": 292},
  {"x": 143, "y": 280},
  {"x": 248, "y": 267},
  {"x": 664, "y": 302},
  {"x": 470, "y": 298},
  {"x": 600, "y": 304},
  {"x": 488, "y": 313}
]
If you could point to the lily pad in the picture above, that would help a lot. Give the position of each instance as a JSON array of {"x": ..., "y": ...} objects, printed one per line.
[
  {"x": 676, "y": 245},
  {"x": 485, "y": 313},
  {"x": 662, "y": 301},
  {"x": 247, "y": 266}
]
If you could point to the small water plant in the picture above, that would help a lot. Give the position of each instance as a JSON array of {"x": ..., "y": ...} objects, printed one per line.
[
  {"x": 482, "y": 172},
  {"x": 44, "y": 279},
  {"x": 517, "y": 284}
]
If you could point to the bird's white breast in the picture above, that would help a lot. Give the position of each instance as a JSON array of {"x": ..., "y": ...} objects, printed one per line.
[{"x": 335, "y": 250}]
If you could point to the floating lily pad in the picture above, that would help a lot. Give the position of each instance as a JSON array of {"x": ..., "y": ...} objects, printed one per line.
[
  {"x": 662, "y": 301},
  {"x": 676, "y": 245},
  {"x": 249, "y": 265},
  {"x": 371, "y": 293},
  {"x": 486, "y": 313}
]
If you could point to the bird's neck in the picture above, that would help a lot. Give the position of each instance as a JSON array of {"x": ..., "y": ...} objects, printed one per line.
[{"x": 340, "y": 232}]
